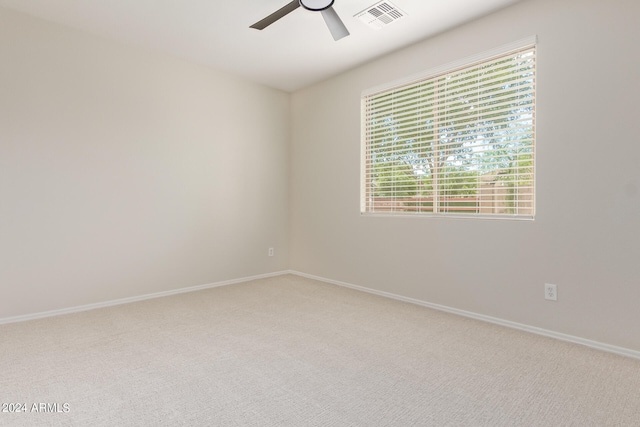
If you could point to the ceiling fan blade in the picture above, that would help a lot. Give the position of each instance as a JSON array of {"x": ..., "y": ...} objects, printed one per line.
[
  {"x": 264, "y": 23},
  {"x": 335, "y": 24}
]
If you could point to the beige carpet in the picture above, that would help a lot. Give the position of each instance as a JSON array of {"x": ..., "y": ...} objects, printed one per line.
[{"x": 289, "y": 351}]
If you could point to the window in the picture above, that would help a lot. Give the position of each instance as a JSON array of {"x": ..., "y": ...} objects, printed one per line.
[{"x": 459, "y": 142}]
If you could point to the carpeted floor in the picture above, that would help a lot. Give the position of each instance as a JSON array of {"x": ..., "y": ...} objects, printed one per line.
[{"x": 290, "y": 351}]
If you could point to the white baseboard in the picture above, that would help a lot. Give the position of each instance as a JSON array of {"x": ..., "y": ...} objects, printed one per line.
[
  {"x": 514, "y": 325},
  {"x": 134, "y": 299}
]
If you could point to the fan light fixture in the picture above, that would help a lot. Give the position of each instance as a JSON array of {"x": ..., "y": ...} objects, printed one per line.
[
  {"x": 331, "y": 18},
  {"x": 316, "y": 5}
]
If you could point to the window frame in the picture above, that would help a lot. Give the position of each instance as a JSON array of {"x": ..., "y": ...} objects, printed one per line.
[{"x": 450, "y": 68}]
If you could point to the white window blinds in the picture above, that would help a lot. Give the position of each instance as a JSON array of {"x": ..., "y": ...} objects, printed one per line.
[{"x": 456, "y": 143}]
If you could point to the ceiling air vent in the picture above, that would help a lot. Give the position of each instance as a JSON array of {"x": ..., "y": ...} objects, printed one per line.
[{"x": 380, "y": 14}]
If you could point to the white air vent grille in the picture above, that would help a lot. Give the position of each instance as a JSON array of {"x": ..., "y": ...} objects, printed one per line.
[{"x": 380, "y": 14}]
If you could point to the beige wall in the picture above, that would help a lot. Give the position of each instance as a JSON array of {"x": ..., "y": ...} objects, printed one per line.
[
  {"x": 586, "y": 235},
  {"x": 124, "y": 172}
]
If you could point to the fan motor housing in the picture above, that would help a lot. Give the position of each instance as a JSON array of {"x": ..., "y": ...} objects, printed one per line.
[{"x": 316, "y": 5}]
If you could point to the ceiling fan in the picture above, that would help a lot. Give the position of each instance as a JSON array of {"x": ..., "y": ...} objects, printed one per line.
[{"x": 331, "y": 18}]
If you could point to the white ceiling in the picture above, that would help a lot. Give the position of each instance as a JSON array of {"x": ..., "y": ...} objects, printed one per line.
[{"x": 292, "y": 53}]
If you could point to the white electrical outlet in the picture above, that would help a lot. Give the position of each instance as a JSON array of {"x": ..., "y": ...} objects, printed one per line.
[
  {"x": 550, "y": 292},
  {"x": 271, "y": 252}
]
